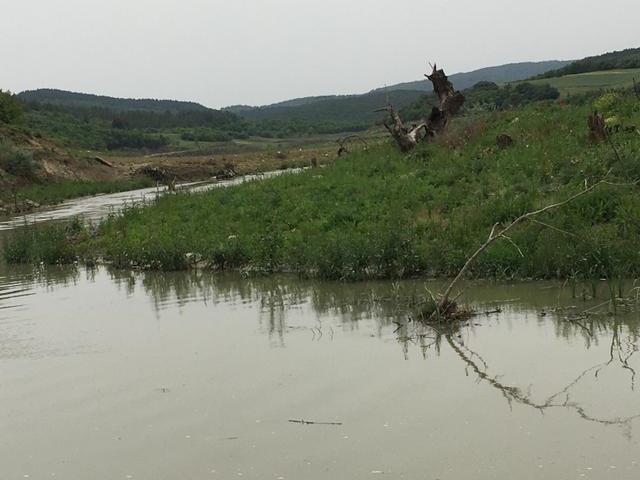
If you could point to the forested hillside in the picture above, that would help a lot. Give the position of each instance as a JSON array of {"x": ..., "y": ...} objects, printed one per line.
[
  {"x": 623, "y": 59},
  {"x": 341, "y": 109},
  {"x": 73, "y": 99}
]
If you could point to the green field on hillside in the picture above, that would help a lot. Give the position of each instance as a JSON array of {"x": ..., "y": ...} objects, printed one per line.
[{"x": 586, "y": 82}]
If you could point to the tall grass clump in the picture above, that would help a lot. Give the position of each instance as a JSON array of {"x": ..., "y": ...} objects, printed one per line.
[{"x": 49, "y": 244}]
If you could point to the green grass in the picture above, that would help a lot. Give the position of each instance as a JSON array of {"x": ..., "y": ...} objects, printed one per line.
[
  {"x": 587, "y": 82},
  {"x": 53, "y": 244},
  {"x": 53, "y": 193},
  {"x": 382, "y": 214}
]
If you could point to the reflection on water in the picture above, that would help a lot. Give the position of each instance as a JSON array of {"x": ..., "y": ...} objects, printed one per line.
[{"x": 195, "y": 374}]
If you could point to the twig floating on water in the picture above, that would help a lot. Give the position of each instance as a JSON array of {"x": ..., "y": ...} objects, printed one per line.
[{"x": 304, "y": 422}]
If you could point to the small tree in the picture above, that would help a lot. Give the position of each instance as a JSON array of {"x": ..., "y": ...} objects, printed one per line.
[{"x": 10, "y": 108}]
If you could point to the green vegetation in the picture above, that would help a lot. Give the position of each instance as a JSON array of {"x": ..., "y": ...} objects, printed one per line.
[
  {"x": 52, "y": 245},
  {"x": 621, "y": 60},
  {"x": 382, "y": 214},
  {"x": 100, "y": 129},
  {"x": 52, "y": 193},
  {"x": 488, "y": 96},
  {"x": 16, "y": 161},
  {"x": 593, "y": 81},
  {"x": 102, "y": 123},
  {"x": 340, "y": 113},
  {"x": 10, "y": 108},
  {"x": 63, "y": 98}
]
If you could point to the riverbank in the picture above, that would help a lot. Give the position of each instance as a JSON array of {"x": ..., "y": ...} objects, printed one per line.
[
  {"x": 383, "y": 214},
  {"x": 36, "y": 173},
  {"x": 30, "y": 198}
]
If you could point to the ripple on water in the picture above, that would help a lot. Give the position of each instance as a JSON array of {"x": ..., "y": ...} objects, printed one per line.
[{"x": 11, "y": 291}]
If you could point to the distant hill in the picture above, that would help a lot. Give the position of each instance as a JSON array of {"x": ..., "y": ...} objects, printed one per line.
[
  {"x": 107, "y": 123},
  {"x": 342, "y": 109},
  {"x": 501, "y": 74},
  {"x": 296, "y": 102},
  {"x": 360, "y": 109},
  {"x": 84, "y": 100},
  {"x": 620, "y": 60}
]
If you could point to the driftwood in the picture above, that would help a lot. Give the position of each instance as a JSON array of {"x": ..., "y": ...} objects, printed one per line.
[
  {"x": 160, "y": 175},
  {"x": 343, "y": 141},
  {"x": 104, "y": 162},
  {"x": 155, "y": 173},
  {"x": 305, "y": 422},
  {"x": 227, "y": 172},
  {"x": 449, "y": 103}
]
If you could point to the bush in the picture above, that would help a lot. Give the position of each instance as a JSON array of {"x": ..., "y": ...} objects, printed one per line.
[
  {"x": 120, "y": 139},
  {"x": 19, "y": 163},
  {"x": 10, "y": 108},
  {"x": 49, "y": 244},
  {"x": 205, "y": 135}
]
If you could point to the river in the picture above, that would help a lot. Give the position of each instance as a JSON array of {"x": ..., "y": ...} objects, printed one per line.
[{"x": 110, "y": 374}]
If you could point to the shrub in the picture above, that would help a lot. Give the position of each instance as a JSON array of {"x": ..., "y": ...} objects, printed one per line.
[
  {"x": 49, "y": 244},
  {"x": 10, "y": 108},
  {"x": 17, "y": 162}
]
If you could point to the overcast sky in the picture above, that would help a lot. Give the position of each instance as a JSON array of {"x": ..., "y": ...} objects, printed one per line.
[{"x": 223, "y": 52}]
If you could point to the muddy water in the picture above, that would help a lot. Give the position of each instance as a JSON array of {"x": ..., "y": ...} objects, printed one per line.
[{"x": 120, "y": 375}]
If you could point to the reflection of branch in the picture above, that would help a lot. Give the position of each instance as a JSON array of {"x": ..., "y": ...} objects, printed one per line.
[{"x": 514, "y": 394}]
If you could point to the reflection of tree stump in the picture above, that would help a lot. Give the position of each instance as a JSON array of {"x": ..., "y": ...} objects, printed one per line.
[
  {"x": 504, "y": 141},
  {"x": 597, "y": 128}
]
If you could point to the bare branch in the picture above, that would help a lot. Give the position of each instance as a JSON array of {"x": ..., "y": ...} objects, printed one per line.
[{"x": 444, "y": 302}]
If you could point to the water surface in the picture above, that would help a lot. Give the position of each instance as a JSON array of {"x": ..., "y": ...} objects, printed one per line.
[{"x": 196, "y": 375}]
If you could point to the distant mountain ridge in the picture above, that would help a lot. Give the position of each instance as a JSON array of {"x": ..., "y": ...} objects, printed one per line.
[
  {"x": 64, "y": 98},
  {"x": 335, "y": 112},
  {"x": 510, "y": 72},
  {"x": 361, "y": 108}
]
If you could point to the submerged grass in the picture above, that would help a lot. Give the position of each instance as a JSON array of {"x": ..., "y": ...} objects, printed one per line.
[{"x": 383, "y": 214}]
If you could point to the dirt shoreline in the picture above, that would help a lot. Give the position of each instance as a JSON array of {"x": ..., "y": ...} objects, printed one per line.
[{"x": 57, "y": 166}]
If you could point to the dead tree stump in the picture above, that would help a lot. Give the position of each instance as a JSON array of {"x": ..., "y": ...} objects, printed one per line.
[{"x": 449, "y": 103}]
